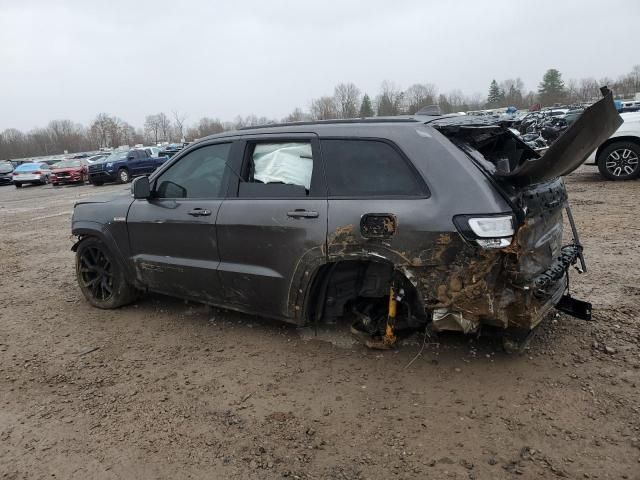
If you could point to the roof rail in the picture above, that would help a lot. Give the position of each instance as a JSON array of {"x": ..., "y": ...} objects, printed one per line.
[{"x": 335, "y": 121}]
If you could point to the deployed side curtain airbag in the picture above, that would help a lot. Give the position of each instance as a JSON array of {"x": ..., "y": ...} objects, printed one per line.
[{"x": 289, "y": 163}]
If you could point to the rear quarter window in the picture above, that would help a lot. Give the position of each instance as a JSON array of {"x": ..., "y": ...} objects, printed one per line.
[{"x": 368, "y": 168}]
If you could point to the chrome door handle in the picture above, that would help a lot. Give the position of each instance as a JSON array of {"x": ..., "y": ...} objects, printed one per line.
[
  {"x": 200, "y": 212},
  {"x": 302, "y": 214}
]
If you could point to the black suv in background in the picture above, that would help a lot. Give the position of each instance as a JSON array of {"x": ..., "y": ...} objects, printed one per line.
[{"x": 400, "y": 223}]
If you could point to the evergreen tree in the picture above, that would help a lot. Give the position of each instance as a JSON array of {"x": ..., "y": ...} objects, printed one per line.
[
  {"x": 366, "y": 109},
  {"x": 495, "y": 98},
  {"x": 551, "y": 90}
]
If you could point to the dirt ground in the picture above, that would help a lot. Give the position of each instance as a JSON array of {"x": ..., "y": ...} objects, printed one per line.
[{"x": 164, "y": 389}]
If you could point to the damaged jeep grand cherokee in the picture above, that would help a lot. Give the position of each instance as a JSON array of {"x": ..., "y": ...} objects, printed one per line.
[{"x": 398, "y": 224}]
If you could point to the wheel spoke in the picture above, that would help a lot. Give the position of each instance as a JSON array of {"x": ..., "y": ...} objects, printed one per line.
[{"x": 95, "y": 273}]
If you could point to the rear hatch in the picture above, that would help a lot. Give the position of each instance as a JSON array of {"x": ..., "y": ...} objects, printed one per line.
[{"x": 532, "y": 184}]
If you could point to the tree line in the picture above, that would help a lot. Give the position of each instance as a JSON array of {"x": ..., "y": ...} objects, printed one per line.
[{"x": 346, "y": 101}]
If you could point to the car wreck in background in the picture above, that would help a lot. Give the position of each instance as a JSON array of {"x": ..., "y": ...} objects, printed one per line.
[{"x": 395, "y": 225}]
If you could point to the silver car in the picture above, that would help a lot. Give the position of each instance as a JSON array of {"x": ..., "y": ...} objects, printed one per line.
[{"x": 34, "y": 173}]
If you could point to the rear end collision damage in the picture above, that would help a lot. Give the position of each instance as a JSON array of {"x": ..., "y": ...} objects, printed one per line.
[
  {"x": 475, "y": 245},
  {"x": 503, "y": 271}
]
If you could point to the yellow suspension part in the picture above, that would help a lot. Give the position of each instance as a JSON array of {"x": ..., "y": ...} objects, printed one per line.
[{"x": 390, "y": 337}]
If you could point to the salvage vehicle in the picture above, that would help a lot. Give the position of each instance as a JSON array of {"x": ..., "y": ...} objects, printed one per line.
[
  {"x": 617, "y": 157},
  {"x": 33, "y": 173},
  {"x": 122, "y": 166},
  {"x": 6, "y": 172},
  {"x": 398, "y": 224},
  {"x": 69, "y": 171}
]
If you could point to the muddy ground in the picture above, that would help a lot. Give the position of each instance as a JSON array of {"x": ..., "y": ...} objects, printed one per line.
[{"x": 164, "y": 389}]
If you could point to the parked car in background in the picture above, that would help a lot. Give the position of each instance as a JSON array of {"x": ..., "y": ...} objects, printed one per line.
[
  {"x": 97, "y": 158},
  {"x": 6, "y": 173},
  {"x": 153, "y": 151},
  {"x": 617, "y": 157},
  {"x": 122, "y": 166},
  {"x": 33, "y": 173},
  {"x": 171, "y": 149},
  {"x": 69, "y": 171}
]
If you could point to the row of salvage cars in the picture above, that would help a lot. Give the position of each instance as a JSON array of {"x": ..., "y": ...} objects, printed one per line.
[
  {"x": 69, "y": 171},
  {"x": 397, "y": 225}
]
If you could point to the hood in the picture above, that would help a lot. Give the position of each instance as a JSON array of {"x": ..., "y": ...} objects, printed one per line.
[
  {"x": 509, "y": 158},
  {"x": 66, "y": 169},
  {"x": 106, "y": 197}
]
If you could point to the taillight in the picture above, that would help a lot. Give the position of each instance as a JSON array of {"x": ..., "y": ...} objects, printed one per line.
[
  {"x": 488, "y": 231},
  {"x": 37, "y": 172}
]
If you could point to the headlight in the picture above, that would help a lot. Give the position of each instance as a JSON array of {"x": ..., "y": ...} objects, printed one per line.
[
  {"x": 486, "y": 231},
  {"x": 109, "y": 164}
]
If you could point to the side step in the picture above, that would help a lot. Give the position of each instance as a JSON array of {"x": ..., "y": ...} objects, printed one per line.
[{"x": 575, "y": 308}]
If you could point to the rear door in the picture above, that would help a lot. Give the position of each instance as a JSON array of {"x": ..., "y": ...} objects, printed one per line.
[
  {"x": 140, "y": 164},
  {"x": 272, "y": 228},
  {"x": 173, "y": 235}
]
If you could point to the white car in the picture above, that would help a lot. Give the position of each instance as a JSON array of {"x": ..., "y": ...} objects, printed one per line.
[
  {"x": 617, "y": 158},
  {"x": 34, "y": 173},
  {"x": 153, "y": 151}
]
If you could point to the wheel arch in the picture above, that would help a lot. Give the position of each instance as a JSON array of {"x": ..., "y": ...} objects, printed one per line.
[
  {"x": 613, "y": 140},
  {"x": 315, "y": 293},
  {"x": 85, "y": 229}
]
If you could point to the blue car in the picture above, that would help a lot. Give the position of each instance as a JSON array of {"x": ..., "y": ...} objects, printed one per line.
[{"x": 121, "y": 167}]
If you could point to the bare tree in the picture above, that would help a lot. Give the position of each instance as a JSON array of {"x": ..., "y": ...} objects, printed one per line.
[
  {"x": 164, "y": 125},
  {"x": 323, "y": 108},
  {"x": 418, "y": 96},
  {"x": 346, "y": 97},
  {"x": 152, "y": 127},
  {"x": 178, "y": 120},
  {"x": 297, "y": 116}
]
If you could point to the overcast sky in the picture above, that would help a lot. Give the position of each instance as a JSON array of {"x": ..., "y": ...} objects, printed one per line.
[{"x": 73, "y": 59}]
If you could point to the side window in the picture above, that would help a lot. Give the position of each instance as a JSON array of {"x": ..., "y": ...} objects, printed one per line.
[
  {"x": 278, "y": 169},
  {"x": 357, "y": 168},
  {"x": 196, "y": 175}
]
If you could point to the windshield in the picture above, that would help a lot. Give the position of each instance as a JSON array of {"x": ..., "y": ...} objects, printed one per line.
[
  {"x": 115, "y": 157},
  {"x": 5, "y": 167},
  {"x": 28, "y": 167},
  {"x": 68, "y": 164}
]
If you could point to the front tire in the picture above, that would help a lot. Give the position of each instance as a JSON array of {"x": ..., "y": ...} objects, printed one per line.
[
  {"x": 123, "y": 176},
  {"x": 620, "y": 161},
  {"x": 100, "y": 277},
  {"x": 96, "y": 183},
  {"x": 18, "y": 185}
]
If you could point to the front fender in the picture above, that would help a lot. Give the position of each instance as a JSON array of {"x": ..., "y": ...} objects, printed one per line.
[{"x": 86, "y": 228}]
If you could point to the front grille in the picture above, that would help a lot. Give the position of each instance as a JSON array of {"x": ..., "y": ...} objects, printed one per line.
[{"x": 96, "y": 168}]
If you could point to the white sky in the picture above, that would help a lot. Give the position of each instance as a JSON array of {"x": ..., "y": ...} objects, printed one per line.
[{"x": 73, "y": 59}]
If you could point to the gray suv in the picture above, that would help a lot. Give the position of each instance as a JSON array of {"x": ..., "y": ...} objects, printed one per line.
[{"x": 450, "y": 222}]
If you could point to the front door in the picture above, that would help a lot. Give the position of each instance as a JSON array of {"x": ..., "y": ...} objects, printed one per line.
[
  {"x": 272, "y": 228},
  {"x": 173, "y": 234}
]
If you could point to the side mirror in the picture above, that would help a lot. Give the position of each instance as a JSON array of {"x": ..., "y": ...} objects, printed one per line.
[
  {"x": 131, "y": 157},
  {"x": 141, "y": 188}
]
